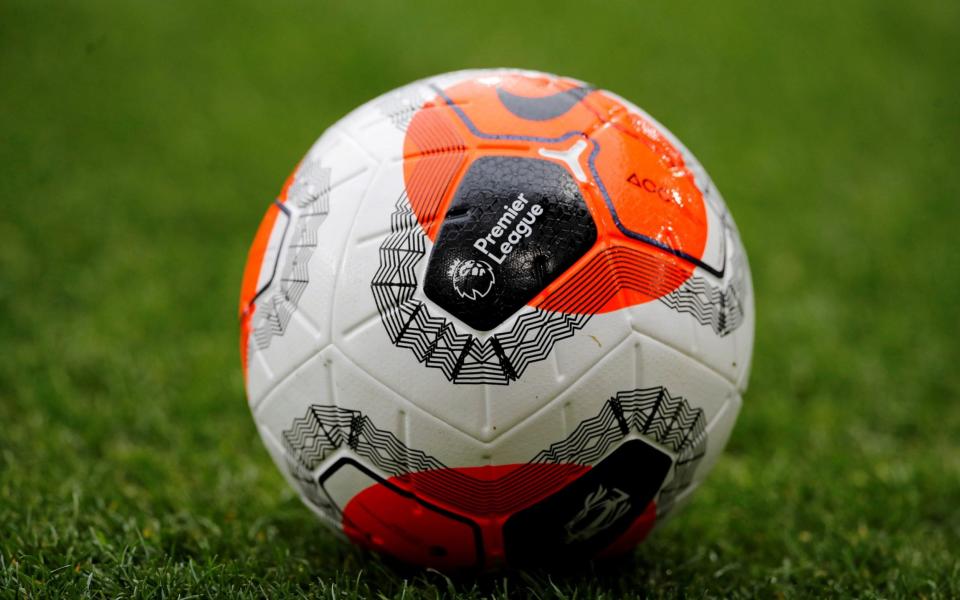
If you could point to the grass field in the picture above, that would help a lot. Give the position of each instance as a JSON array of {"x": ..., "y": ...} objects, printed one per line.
[{"x": 140, "y": 143}]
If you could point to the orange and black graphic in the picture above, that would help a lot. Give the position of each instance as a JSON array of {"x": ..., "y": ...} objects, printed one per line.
[
  {"x": 598, "y": 491},
  {"x": 572, "y": 205}
]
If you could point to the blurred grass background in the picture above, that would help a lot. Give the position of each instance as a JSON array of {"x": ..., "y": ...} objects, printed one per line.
[{"x": 140, "y": 142}]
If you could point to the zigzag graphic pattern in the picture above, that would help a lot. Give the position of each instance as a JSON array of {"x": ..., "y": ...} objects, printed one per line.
[
  {"x": 399, "y": 107},
  {"x": 674, "y": 424},
  {"x": 504, "y": 357},
  {"x": 720, "y": 309},
  {"x": 435, "y": 341},
  {"x": 651, "y": 413},
  {"x": 310, "y": 194}
]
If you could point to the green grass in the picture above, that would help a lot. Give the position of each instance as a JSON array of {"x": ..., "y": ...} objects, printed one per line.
[{"x": 140, "y": 143}]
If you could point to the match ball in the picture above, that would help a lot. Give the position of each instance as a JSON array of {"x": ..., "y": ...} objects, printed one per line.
[{"x": 496, "y": 318}]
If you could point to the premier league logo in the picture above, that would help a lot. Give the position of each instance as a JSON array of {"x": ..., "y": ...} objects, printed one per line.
[{"x": 472, "y": 279}]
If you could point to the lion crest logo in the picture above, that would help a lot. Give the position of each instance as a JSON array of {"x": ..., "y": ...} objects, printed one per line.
[
  {"x": 601, "y": 509},
  {"x": 472, "y": 279}
]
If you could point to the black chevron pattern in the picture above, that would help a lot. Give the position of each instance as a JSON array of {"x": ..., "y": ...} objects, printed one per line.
[
  {"x": 310, "y": 194},
  {"x": 651, "y": 413},
  {"x": 400, "y": 106},
  {"x": 721, "y": 309},
  {"x": 502, "y": 358},
  {"x": 435, "y": 341}
]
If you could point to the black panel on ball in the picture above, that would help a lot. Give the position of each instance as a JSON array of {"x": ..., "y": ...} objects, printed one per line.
[
  {"x": 514, "y": 225},
  {"x": 586, "y": 516}
]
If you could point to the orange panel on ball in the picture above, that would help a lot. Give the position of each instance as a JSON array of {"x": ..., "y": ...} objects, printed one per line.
[{"x": 650, "y": 216}]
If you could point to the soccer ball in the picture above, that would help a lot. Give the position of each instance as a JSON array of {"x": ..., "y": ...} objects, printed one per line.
[{"x": 496, "y": 318}]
